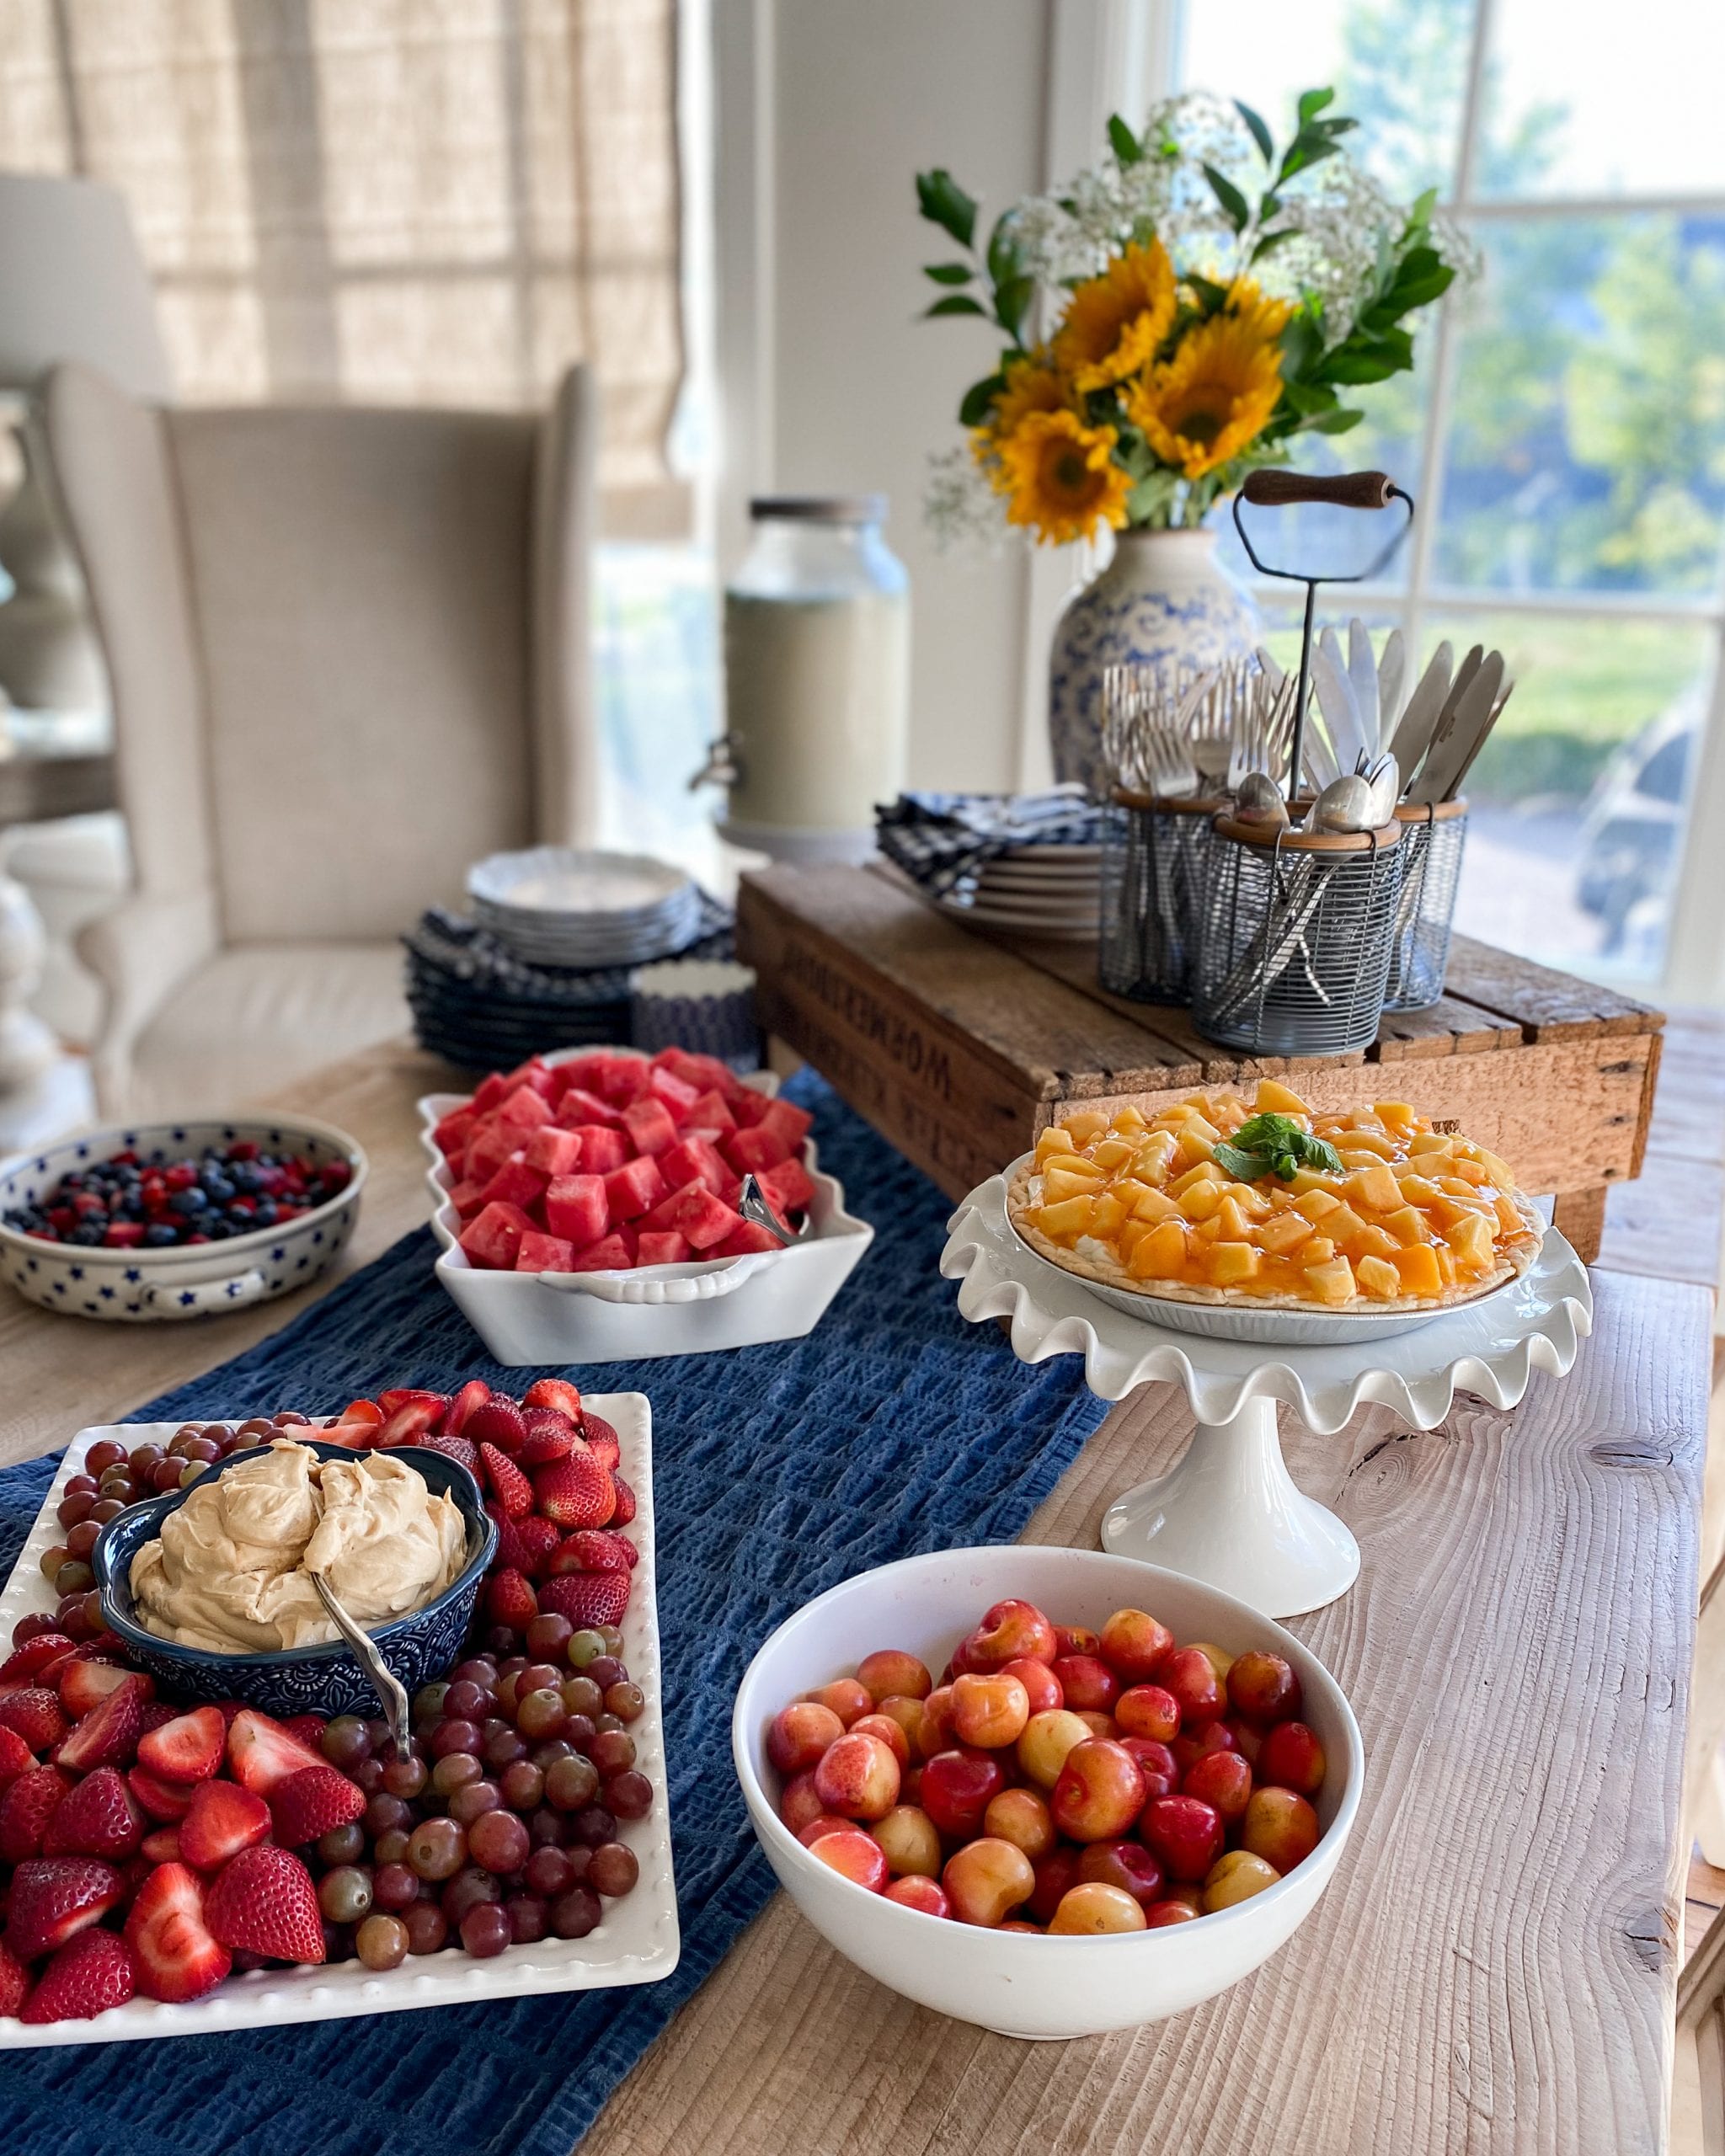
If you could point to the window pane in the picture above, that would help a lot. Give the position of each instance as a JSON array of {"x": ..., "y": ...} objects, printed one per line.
[
  {"x": 1399, "y": 66},
  {"x": 1579, "y": 799},
  {"x": 1588, "y": 444},
  {"x": 1582, "y": 99}
]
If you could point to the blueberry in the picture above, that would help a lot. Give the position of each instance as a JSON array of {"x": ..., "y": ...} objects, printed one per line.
[
  {"x": 218, "y": 1188},
  {"x": 265, "y": 1217},
  {"x": 158, "y": 1235},
  {"x": 189, "y": 1201},
  {"x": 87, "y": 1234}
]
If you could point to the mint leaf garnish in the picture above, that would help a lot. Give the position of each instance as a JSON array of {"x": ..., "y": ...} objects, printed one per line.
[{"x": 1274, "y": 1145}]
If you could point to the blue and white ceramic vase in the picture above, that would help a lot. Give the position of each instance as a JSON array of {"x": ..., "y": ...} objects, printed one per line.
[{"x": 1162, "y": 601}]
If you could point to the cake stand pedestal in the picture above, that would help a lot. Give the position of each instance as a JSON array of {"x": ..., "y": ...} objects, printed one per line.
[{"x": 1229, "y": 1513}]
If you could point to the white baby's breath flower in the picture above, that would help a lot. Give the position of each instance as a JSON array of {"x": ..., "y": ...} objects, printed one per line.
[{"x": 961, "y": 509}]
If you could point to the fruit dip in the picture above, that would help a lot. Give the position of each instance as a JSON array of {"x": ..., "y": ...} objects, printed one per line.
[{"x": 232, "y": 1572}]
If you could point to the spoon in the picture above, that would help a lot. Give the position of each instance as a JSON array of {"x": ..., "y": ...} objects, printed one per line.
[
  {"x": 386, "y": 1685},
  {"x": 1258, "y": 800},
  {"x": 753, "y": 1206},
  {"x": 1344, "y": 805}
]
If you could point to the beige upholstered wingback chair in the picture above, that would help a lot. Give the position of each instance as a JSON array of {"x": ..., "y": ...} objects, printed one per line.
[{"x": 348, "y": 651}]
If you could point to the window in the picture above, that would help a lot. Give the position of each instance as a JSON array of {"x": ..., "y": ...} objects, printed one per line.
[{"x": 1564, "y": 430}]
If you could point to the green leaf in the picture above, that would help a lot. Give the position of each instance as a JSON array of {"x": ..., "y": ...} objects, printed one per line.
[
  {"x": 1359, "y": 366},
  {"x": 1260, "y": 134},
  {"x": 1235, "y": 205},
  {"x": 1012, "y": 303},
  {"x": 979, "y": 400},
  {"x": 948, "y": 273},
  {"x": 955, "y": 303},
  {"x": 1124, "y": 143},
  {"x": 944, "y": 203},
  {"x": 1274, "y": 1143},
  {"x": 1307, "y": 397},
  {"x": 1003, "y": 250},
  {"x": 1271, "y": 239},
  {"x": 1214, "y": 296},
  {"x": 1313, "y": 103},
  {"x": 1336, "y": 422},
  {"x": 1151, "y": 495}
]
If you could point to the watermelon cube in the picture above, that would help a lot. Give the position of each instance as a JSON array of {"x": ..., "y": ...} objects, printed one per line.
[
  {"x": 535, "y": 1072},
  {"x": 452, "y": 1134},
  {"x": 554, "y": 1152},
  {"x": 578, "y": 1105},
  {"x": 744, "y": 1240},
  {"x": 649, "y": 1123},
  {"x": 749, "y": 1151},
  {"x": 491, "y": 1091},
  {"x": 488, "y": 1148},
  {"x": 524, "y": 1110},
  {"x": 748, "y": 1106},
  {"x": 693, "y": 1159},
  {"x": 575, "y": 1209},
  {"x": 705, "y": 1073},
  {"x": 515, "y": 1183},
  {"x": 630, "y": 1239},
  {"x": 787, "y": 1188},
  {"x": 542, "y": 1253},
  {"x": 677, "y": 1094},
  {"x": 611, "y": 1256},
  {"x": 581, "y": 1070},
  {"x": 467, "y": 1198},
  {"x": 624, "y": 1078},
  {"x": 697, "y": 1215},
  {"x": 602, "y": 1148},
  {"x": 492, "y": 1240},
  {"x": 663, "y": 1247},
  {"x": 635, "y": 1189},
  {"x": 708, "y": 1112},
  {"x": 789, "y": 1121}
]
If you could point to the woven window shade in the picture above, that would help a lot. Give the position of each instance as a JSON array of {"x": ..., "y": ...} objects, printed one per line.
[{"x": 397, "y": 201}]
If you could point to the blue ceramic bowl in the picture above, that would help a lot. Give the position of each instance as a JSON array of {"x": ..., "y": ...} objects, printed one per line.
[{"x": 320, "y": 1680}]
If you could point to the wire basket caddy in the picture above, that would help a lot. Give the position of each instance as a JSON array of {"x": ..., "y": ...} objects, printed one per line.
[
  {"x": 1294, "y": 938},
  {"x": 1154, "y": 869},
  {"x": 1433, "y": 837}
]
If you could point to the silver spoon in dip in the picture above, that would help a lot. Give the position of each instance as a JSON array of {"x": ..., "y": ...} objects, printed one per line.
[{"x": 388, "y": 1686}]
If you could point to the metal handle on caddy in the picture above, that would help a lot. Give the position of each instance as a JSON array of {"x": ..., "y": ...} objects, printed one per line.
[{"x": 1343, "y": 490}]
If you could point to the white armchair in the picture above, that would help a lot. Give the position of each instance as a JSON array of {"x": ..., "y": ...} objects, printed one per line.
[{"x": 348, "y": 651}]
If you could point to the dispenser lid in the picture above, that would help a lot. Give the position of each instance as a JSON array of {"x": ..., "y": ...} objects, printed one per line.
[{"x": 821, "y": 508}]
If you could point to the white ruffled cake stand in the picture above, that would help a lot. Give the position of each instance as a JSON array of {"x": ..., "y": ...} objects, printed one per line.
[{"x": 1229, "y": 1513}]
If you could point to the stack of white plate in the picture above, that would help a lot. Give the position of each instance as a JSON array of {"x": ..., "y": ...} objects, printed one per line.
[
  {"x": 1040, "y": 890},
  {"x": 556, "y": 906}
]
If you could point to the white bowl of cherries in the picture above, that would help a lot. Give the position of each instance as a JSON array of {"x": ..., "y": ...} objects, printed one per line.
[{"x": 1014, "y": 1847}]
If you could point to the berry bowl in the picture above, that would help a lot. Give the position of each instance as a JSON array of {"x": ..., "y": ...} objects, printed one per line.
[
  {"x": 141, "y": 1285},
  {"x": 321, "y": 1680},
  {"x": 1023, "y": 1984}
]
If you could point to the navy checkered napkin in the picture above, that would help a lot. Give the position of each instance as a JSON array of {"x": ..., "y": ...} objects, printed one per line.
[{"x": 943, "y": 841}]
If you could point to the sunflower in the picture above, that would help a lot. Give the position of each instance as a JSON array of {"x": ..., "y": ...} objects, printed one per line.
[
  {"x": 1246, "y": 302},
  {"x": 1062, "y": 476},
  {"x": 1033, "y": 385},
  {"x": 1114, "y": 322},
  {"x": 1213, "y": 398}
]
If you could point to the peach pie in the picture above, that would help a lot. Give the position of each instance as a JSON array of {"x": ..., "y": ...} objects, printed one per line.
[{"x": 1214, "y": 1200}]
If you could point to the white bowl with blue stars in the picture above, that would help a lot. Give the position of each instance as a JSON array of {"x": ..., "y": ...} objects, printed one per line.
[{"x": 146, "y": 1287}]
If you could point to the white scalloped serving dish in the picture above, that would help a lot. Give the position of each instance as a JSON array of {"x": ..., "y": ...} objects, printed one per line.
[
  {"x": 1491, "y": 1347},
  {"x": 699, "y": 1307},
  {"x": 639, "y": 1941}
]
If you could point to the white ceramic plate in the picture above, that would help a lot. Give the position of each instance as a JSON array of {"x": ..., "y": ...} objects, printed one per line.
[
  {"x": 556, "y": 881},
  {"x": 700, "y": 1307},
  {"x": 639, "y": 1941}
]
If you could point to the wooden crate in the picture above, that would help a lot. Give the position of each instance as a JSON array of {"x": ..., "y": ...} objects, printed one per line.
[{"x": 960, "y": 1045}]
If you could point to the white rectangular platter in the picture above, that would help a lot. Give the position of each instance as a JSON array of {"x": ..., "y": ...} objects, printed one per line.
[{"x": 637, "y": 1942}]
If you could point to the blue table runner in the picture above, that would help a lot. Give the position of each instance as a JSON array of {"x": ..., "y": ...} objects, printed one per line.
[{"x": 894, "y": 1427}]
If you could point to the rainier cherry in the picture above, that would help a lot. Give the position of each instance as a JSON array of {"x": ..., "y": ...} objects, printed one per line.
[{"x": 1008, "y": 1630}]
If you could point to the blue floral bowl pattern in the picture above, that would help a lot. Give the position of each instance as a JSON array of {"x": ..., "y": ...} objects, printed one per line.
[
  {"x": 1160, "y": 602},
  {"x": 320, "y": 1680},
  {"x": 141, "y": 1287}
]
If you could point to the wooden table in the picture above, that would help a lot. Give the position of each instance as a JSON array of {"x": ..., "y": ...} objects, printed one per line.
[
  {"x": 960, "y": 1045},
  {"x": 1493, "y": 1968}
]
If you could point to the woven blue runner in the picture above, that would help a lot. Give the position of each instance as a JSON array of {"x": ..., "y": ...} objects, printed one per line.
[{"x": 777, "y": 1471}]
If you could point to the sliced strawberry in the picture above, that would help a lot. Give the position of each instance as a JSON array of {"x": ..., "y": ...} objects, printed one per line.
[
  {"x": 88, "y": 1976},
  {"x": 162, "y": 1800},
  {"x": 85, "y": 1680},
  {"x": 97, "y": 1817},
  {"x": 455, "y": 1416},
  {"x": 36, "y": 1659},
  {"x": 509, "y": 1600},
  {"x": 575, "y": 1493},
  {"x": 261, "y": 1752},
  {"x": 497, "y": 1421},
  {"x": 362, "y": 1411},
  {"x": 108, "y": 1736},
  {"x": 221, "y": 1820},
  {"x": 408, "y": 1421},
  {"x": 25, "y": 1810},
  {"x": 550, "y": 1436},
  {"x": 357, "y": 1437},
  {"x": 34, "y": 1711},
  {"x": 591, "y": 1550},
  {"x": 587, "y": 1598},
  {"x": 15, "y": 1755},
  {"x": 554, "y": 1392},
  {"x": 311, "y": 1802},
  {"x": 404, "y": 1395},
  {"x": 14, "y": 1982},
  {"x": 53, "y": 1896},
  {"x": 174, "y": 1954},
  {"x": 187, "y": 1749},
  {"x": 525, "y": 1545},
  {"x": 625, "y": 1502},
  {"x": 263, "y": 1900},
  {"x": 459, "y": 1449},
  {"x": 507, "y": 1485},
  {"x": 601, "y": 1440},
  {"x": 161, "y": 1845}
]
